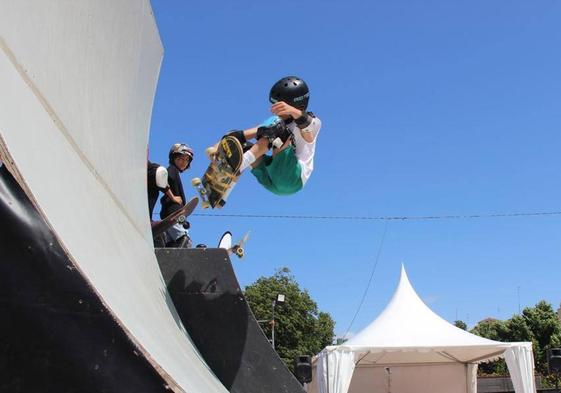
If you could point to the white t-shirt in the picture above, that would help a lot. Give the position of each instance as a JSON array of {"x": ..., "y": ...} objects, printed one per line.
[{"x": 305, "y": 150}]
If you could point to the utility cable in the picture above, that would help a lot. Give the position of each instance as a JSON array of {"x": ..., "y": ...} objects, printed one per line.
[
  {"x": 369, "y": 280},
  {"x": 385, "y": 218}
]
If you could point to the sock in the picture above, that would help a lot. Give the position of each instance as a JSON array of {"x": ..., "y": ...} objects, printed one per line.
[{"x": 248, "y": 159}]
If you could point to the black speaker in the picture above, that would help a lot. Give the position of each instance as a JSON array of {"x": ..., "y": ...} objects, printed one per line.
[
  {"x": 303, "y": 368},
  {"x": 554, "y": 360}
]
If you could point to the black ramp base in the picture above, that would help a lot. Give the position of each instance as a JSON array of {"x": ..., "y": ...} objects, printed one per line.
[
  {"x": 210, "y": 303},
  {"x": 55, "y": 334}
]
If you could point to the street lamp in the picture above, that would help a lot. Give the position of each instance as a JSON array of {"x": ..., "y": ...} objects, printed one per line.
[{"x": 279, "y": 300}]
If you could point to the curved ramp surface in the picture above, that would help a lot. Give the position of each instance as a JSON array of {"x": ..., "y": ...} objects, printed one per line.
[
  {"x": 77, "y": 84},
  {"x": 210, "y": 303},
  {"x": 56, "y": 334}
]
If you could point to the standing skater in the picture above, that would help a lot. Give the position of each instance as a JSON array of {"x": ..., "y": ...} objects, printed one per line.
[{"x": 180, "y": 158}]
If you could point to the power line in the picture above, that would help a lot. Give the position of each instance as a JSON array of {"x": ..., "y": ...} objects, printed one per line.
[
  {"x": 369, "y": 280},
  {"x": 384, "y": 218}
]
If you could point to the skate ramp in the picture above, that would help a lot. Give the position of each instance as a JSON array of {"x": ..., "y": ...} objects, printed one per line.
[
  {"x": 208, "y": 298},
  {"x": 56, "y": 334},
  {"x": 78, "y": 80}
]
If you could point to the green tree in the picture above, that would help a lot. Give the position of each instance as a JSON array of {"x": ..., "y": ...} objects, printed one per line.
[
  {"x": 492, "y": 329},
  {"x": 538, "y": 325},
  {"x": 460, "y": 324},
  {"x": 517, "y": 329},
  {"x": 300, "y": 328},
  {"x": 546, "y": 329}
]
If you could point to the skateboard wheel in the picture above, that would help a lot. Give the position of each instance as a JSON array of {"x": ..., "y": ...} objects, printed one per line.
[
  {"x": 210, "y": 152},
  {"x": 205, "y": 205},
  {"x": 196, "y": 181}
]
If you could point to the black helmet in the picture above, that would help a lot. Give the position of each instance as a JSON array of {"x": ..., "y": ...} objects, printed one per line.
[
  {"x": 292, "y": 90},
  {"x": 181, "y": 149}
]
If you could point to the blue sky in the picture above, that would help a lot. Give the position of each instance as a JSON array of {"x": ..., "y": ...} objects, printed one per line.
[{"x": 428, "y": 108}]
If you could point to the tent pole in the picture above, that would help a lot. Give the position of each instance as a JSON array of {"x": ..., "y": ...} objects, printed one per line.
[
  {"x": 327, "y": 368},
  {"x": 495, "y": 354},
  {"x": 447, "y": 355},
  {"x": 365, "y": 355}
]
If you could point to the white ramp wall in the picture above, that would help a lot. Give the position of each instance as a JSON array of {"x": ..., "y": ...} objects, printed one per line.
[{"x": 77, "y": 81}]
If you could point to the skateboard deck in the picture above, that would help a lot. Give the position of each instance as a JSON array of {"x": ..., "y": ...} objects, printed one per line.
[
  {"x": 177, "y": 217},
  {"x": 225, "y": 240},
  {"x": 221, "y": 174}
]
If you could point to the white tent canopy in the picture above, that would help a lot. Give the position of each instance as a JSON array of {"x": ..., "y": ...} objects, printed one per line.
[{"x": 409, "y": 348}]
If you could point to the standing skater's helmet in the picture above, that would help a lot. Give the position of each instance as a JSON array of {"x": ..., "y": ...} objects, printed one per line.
[
  {"x": 181, "y": 149},
  {"x": 292, "y": 90}
]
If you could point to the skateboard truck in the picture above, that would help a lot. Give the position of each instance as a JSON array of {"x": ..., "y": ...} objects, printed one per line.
[
  {"x": 198, "y": 184},
  {"x": 237, "y": 249}
]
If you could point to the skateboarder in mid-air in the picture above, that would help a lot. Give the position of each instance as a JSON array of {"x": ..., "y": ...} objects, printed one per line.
[
  {"x": 292, "y": 137},
  {"x": 291, "y": 133},
  {"x": 180, "y": 158}
]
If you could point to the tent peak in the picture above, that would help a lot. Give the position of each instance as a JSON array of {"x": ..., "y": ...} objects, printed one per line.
[{"x": 403, "y": 273}]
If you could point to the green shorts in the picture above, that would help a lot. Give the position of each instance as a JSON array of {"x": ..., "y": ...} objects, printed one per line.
[{"x": 281, "y": 174}]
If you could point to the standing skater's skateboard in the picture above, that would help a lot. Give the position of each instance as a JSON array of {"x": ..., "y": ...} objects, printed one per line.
[
  {"x": 237, "y": 249},
  {"x": 225, "y": 241},
  {"x": 222, "y": 173},
  {"x": 177, "y": 217}
]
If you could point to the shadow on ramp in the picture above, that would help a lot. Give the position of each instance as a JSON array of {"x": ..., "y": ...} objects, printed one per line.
[
  {"x": 55, "y": 334},
  {"x": 210, "y": 303}
]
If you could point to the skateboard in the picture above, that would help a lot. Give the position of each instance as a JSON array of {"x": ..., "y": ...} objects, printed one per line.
[
  {"x": 221, "y": 174},
  {"x": 225, "y": 240},
  {"x": 177, "y": 217},
  {"x": 236, "y": 249}
]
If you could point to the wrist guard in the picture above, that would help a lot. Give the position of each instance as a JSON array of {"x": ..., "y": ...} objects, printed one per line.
[
  {"x": 303, "y": 121},
  {"x": 276, "y": 133}
]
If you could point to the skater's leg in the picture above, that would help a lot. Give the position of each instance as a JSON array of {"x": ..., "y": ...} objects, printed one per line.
[
  {"x": 282, "y": 174},
  {"x": 254, "y": 154},
  {"x": 174, "y": 233}
]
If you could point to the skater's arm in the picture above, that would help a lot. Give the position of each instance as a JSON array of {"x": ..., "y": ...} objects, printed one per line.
[
  {"x": 173, "y": 198},
  {"x": 163, "y": 184},
  {"x": 250, "y": 133},
  {"x": 309, "y": 126}
]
